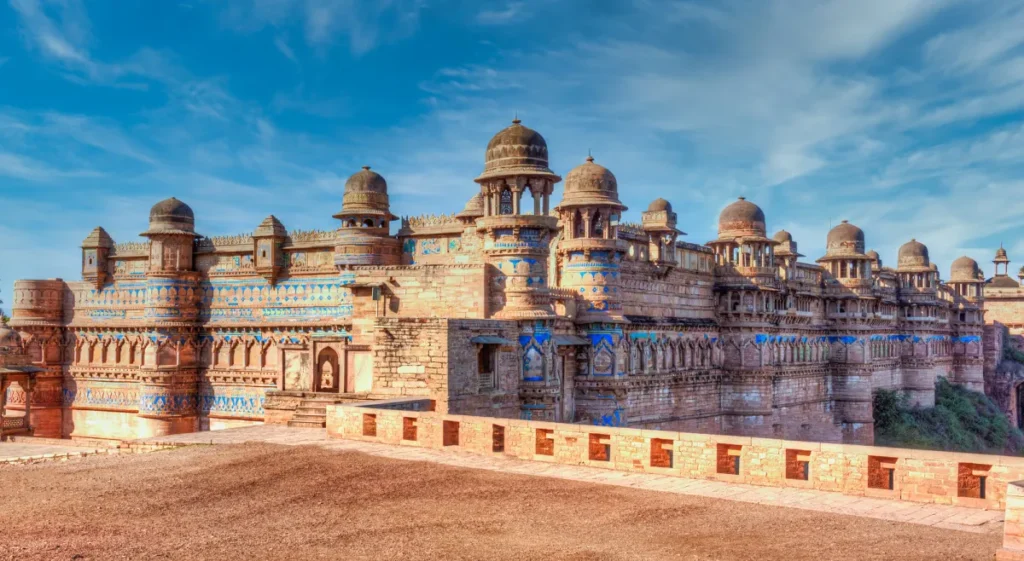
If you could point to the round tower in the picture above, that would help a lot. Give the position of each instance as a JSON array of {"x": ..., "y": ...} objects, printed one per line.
[
  {"x": 590, "y": 249},
  {"x": 168, "y": 377},
  {"x": 364, "y": 237},
  {"x": 516, "y": 236}
]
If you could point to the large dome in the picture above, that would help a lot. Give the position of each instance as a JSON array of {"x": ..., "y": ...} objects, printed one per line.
[
  {"x": 964, "y": 269},
  {"x": 590, "y": 183},
  {"x": 366, "y": 193},
  {"x": 171, "y": 216},
  {"x": 741, "y": 218},
  {"x": 516, "y": 150},
  {"x": 845, "y": 240},
  {"x": 913, "y": 255}
]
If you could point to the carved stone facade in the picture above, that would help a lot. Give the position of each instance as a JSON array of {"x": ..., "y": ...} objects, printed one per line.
[{"x": 510, "y": 308}]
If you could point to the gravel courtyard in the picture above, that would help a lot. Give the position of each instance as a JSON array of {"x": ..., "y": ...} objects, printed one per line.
[{"x": 263, "y": 501}]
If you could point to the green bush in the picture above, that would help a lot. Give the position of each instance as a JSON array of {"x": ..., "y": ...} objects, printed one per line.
[{"x": 961, "y": 421}]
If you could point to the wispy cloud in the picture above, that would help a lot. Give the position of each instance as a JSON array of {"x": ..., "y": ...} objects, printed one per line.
[
  {"x": 364, "y": 24},
  {"x": 513, "y": 12},
  {"x": 282, "y": 46}
]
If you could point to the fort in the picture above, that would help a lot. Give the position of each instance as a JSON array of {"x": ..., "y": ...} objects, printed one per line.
[{"x": 515, "y": 307}]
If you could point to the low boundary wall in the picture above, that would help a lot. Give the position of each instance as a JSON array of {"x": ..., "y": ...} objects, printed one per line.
[{"x": 971, "y": 480}]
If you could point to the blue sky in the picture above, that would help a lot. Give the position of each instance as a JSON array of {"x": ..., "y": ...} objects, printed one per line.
[{"x": 905, "y": 117}]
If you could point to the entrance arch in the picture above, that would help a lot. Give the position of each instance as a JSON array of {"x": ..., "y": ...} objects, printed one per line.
[{"x": 328, "y": 375}]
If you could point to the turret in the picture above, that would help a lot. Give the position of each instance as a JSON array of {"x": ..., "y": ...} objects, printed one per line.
[
  {"x": 516, "y": 236},
  {"x": 364, "y": 236},
  {"x": 659, "y": 221},
  {"x": 267, "y": 240},
  {"x": 590, "y": 250},
  {"x": 95, "y": 253}
]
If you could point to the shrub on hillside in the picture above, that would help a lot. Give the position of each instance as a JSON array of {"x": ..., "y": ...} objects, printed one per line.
[{"x": 961, "y": 421}]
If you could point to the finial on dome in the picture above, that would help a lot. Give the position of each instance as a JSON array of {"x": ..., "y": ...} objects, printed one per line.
[
  {"x": 846, "y": 221},
  {"x": 742, "y": 198},
  {"x": 590, "y": 157},
  {"x": 515, "y": 118},
  {"x": 366, "y": 167}
]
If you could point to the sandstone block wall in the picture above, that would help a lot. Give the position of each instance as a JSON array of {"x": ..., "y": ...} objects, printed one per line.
[{"x": 971, "y": 480}]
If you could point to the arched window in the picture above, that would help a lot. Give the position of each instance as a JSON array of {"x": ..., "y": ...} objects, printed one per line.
[
  {"x": 505, "y": 204},
  {"x": 579, "y": 226},
  {"x": 368, "y": 223},
  {"x": 597, "y": 226}
]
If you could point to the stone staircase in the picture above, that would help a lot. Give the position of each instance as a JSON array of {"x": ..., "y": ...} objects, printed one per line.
[{"x": 312, "y": 411}]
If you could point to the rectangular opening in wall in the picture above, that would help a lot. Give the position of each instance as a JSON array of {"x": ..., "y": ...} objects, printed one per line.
[
  {"x": 600, "y": 447},
  {"x": 798, "y": 464},
  {"x": 369, "y": 424},
  {"x": 881, "y": 472},
  {"x": 661, "y": 453},
  {"x": 409, "y": 428},
  {"x": 450, "y": 433},
  {"x": 971, "y": 480},
  {"x": 729, "y": 459},
  {"x": 497, "y": 438},
  {"x": 545, "y": 444}
]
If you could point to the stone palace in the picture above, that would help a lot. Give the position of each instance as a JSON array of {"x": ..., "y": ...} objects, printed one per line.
[{"x": 517, "y": 306}]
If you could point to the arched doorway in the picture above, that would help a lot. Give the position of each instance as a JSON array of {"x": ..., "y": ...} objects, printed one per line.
[{"x": 328, "y": 375}]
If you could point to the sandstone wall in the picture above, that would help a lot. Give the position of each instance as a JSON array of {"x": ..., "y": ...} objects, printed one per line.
[{"x": 916, "y": 475}]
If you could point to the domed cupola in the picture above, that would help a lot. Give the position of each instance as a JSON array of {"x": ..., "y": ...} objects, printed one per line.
[
  {"x": 591, "y": 184},
  {"x": 366, "y": 197},
  {"x": 844, "y": 254},
  {"x": 786, "y": 248},
  {"x": 742, "y": 240},
  {"x": 913, "y": 257},
  {"x": 964, "y": 269},
  {"x": 845, "y": 240},
  {"x": 171, "y": 216},
  {"x": 516, "y": 150},
  {"x": 741, "y": 219}
]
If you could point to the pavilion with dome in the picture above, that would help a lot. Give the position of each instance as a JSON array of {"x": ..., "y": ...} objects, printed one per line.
[{"x": 514, "y": 305}]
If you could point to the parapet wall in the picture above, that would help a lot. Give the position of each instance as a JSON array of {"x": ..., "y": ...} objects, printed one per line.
[{"x": 970, "y": 480}]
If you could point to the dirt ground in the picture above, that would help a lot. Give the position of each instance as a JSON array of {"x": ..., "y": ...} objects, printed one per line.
[{"x": 275, "y": 502}]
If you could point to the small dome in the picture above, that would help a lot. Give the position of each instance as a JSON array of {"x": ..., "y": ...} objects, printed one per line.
[
  {"x": 913, "y": 254},
  {"x": 873, "y": 255},
  {"x": 1001, "y": 254},
  {"x": 782, "y": 236},
  {"x": 516, "y": 150},
  {"x": 845, "y": 239},
  {"x": 9, "y": 339},
  {"x": 659, "y": 205},
  {"x": 171, "y": 216},
  {"x": 741, "y": 218},
  {"x": 474, "y": 207},
  {"x": 963, "y": 269},
  {"x": 590, "y": 183},
  {"x": 366, "y": 193}
]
